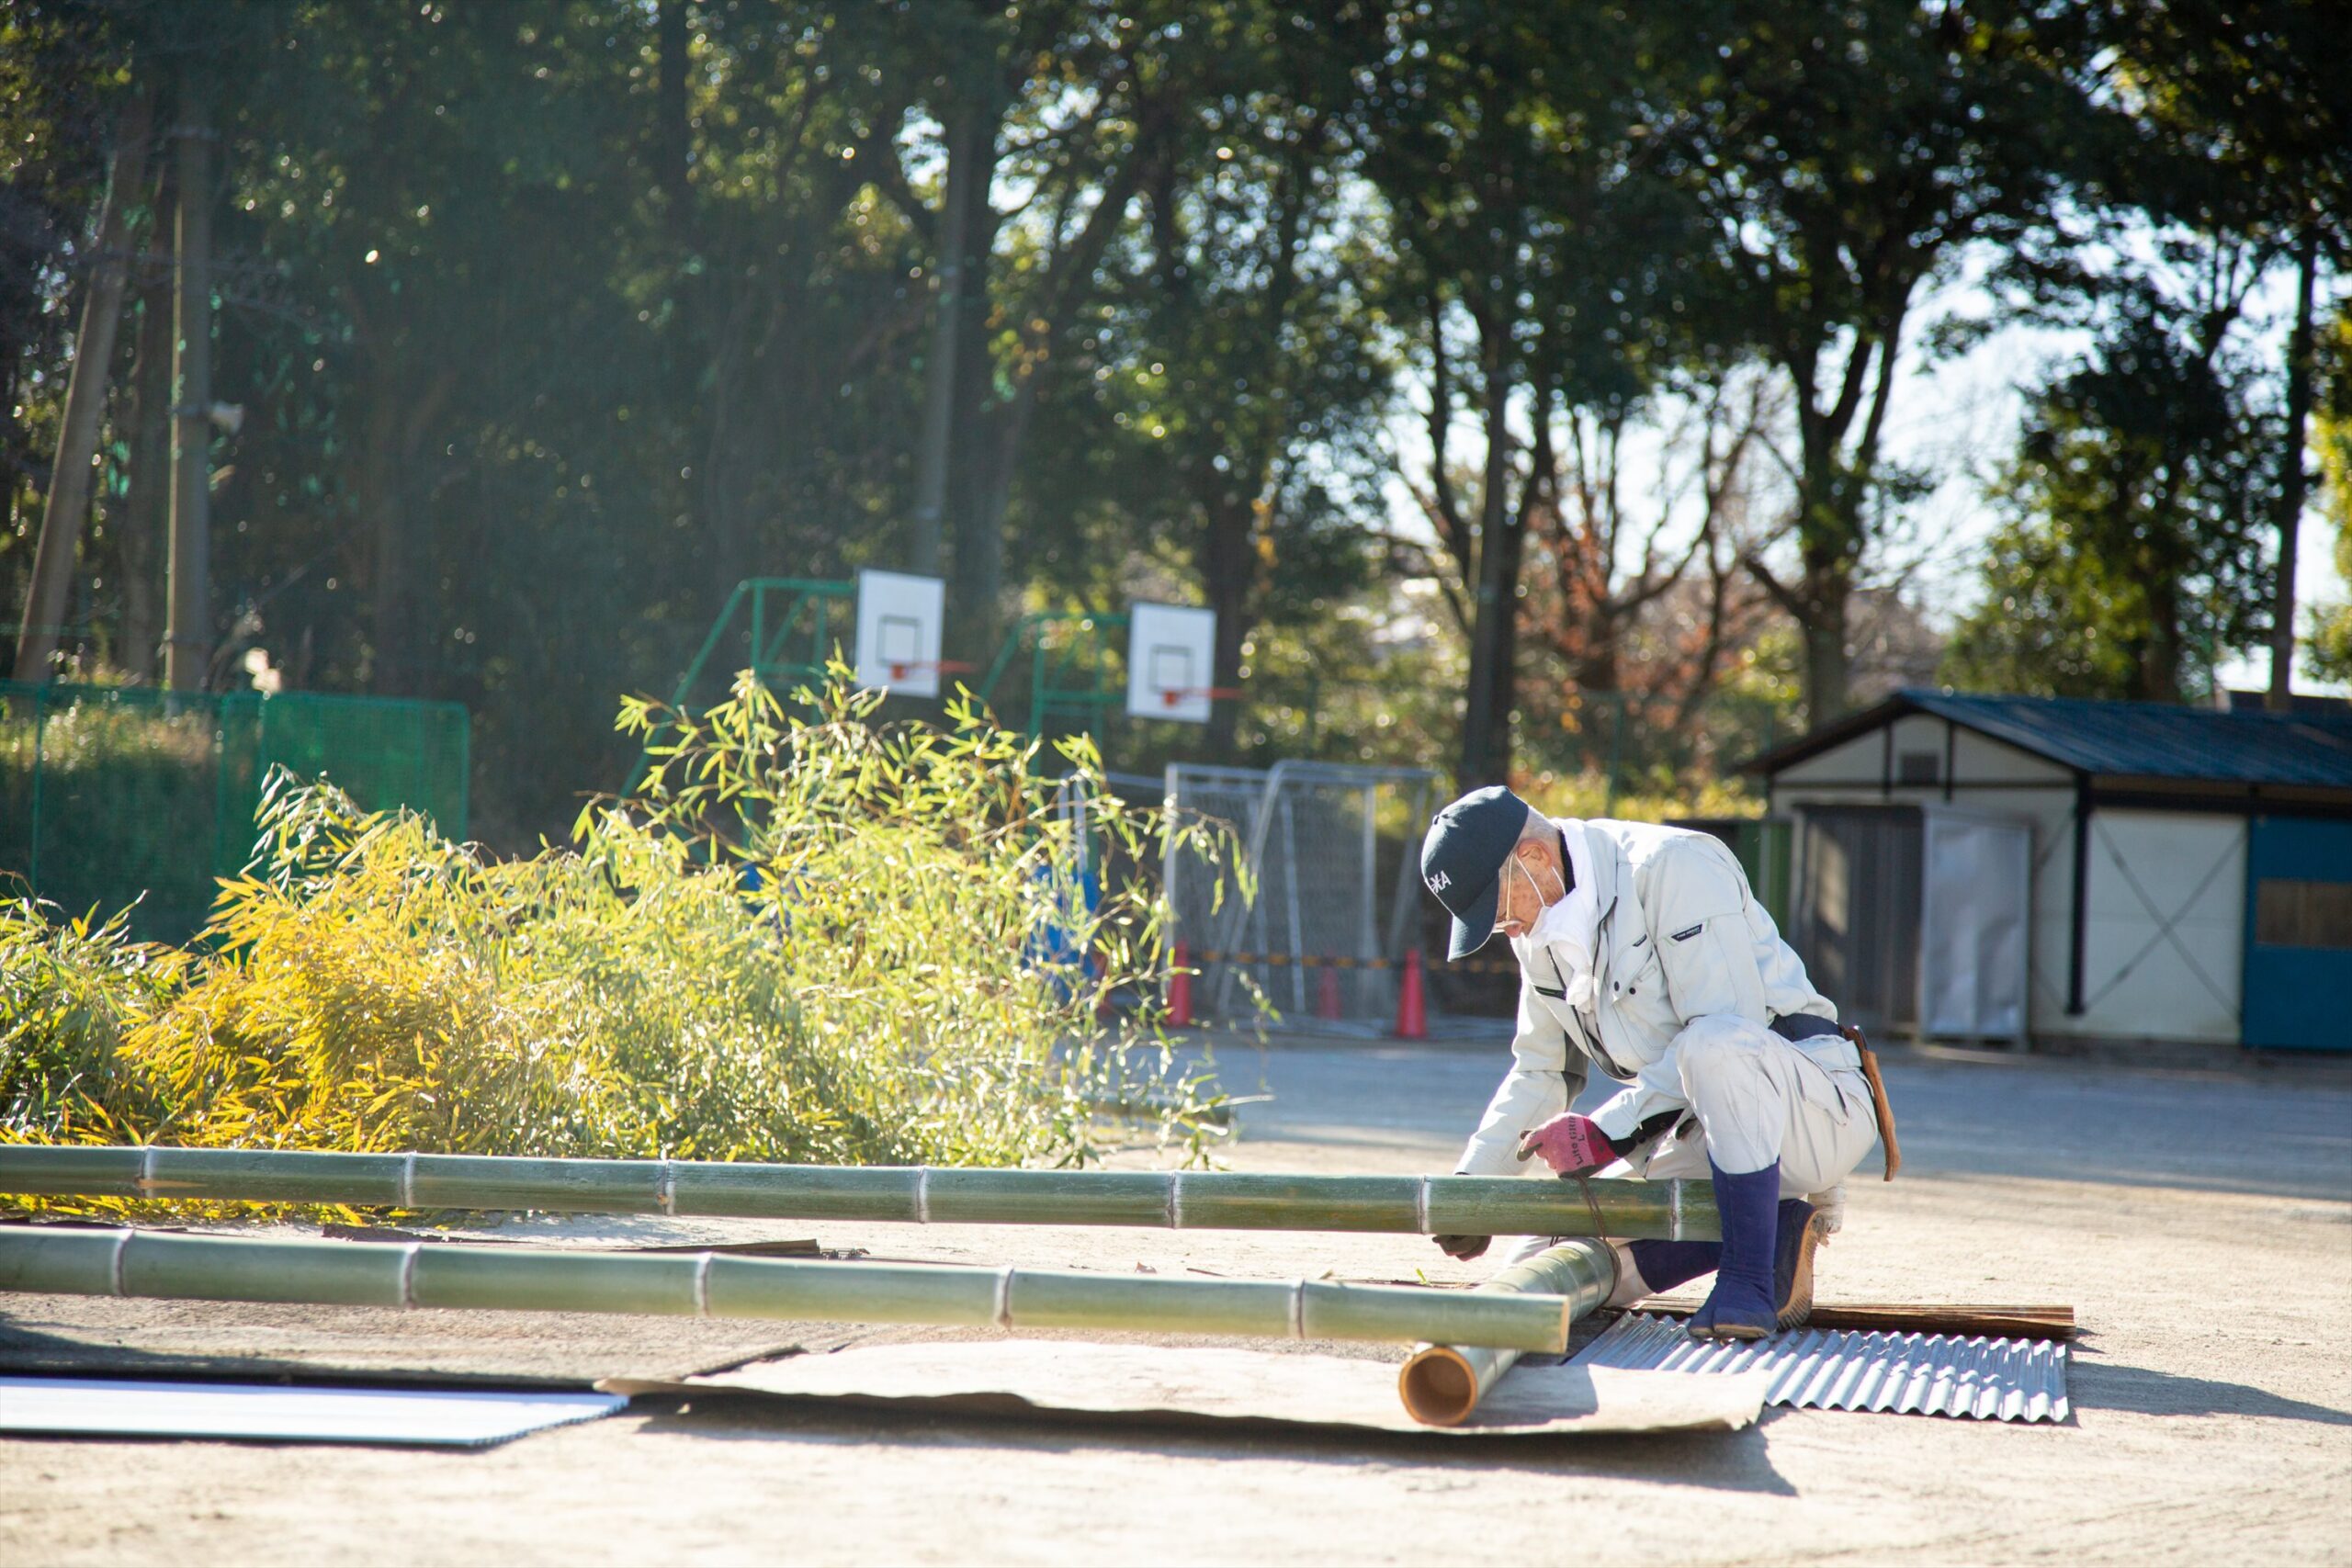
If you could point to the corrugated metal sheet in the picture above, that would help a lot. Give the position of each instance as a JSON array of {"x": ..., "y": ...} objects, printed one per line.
[{"x": 1913, "y": 1374}]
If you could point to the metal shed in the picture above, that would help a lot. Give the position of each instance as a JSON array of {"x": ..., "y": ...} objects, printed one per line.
[{"x": 2057, "y": 868}]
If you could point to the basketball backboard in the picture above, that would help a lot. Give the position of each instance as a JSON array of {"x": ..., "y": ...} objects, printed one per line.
[
  {"x": 899, "y": 620},
  {"x": 1172, "y": 653}
]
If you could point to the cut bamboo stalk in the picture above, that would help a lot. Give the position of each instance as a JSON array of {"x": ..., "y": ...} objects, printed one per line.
[
  {"x": 287, "y": 1175},
  {"x": 564, "y": 1186},
  {"x": 195, "y": 1267},
  {"x": 343, "y": 1273},
  {"x": 1442, "y": 1384},
  {"x": 72, "y": 1170},
  {"x": 821, "y": 1192},
  {"x": 1428, "y": 1205}
]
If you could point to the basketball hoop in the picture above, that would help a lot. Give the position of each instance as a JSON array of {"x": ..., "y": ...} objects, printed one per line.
[
  {"x": 899, "y": 618},
  {"x": 1171, "y": 658}
]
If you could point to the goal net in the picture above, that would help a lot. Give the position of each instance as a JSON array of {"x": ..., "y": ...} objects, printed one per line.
[{"x": 1334, "y": 851}]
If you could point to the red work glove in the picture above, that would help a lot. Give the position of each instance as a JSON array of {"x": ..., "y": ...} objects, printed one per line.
[{"x": 1570, "y": 1143}]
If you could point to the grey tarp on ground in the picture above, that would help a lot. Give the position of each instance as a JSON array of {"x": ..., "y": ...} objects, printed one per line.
[{"x": 1062, "y": 1378}]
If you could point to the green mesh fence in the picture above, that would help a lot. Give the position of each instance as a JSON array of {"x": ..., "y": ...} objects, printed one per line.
[{"x": 111, "y": 795}]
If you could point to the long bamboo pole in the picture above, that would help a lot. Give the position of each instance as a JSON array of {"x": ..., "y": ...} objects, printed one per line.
[
  {"x": 424, "y": 1274},
  {"x": 1442, "y": 1384},
  {"x": 1426, "y": 1205}
]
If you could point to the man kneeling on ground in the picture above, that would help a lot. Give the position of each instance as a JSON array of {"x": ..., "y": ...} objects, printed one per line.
[{"x": 1645, "y": 948}]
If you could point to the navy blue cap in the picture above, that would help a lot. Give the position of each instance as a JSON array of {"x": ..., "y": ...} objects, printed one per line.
[{"x": 1461, "y": 861}]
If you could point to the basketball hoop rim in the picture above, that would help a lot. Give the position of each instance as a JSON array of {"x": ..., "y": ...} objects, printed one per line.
[{"x": 1171, "y": 695}]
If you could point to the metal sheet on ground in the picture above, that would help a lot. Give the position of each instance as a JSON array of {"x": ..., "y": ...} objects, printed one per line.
[
  {"x": 1045, "y": 1378},
  {"x": 437, "y": 1417},
  {"x": 1912, "y": 1374}
]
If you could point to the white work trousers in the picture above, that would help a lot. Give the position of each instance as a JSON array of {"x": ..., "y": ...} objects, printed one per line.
[{"x": 1756, "y": 1098}]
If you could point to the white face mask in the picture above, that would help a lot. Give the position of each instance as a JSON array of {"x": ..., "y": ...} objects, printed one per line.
[
  {"x": 1568, "y": 930},
  {"x": 1516, "y": 864}
]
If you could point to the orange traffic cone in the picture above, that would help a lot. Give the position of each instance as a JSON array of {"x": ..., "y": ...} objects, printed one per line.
[
  {"x": 1412, "y": 1007},
  {"x": 1327, "y": 1000},
  {"x": 1180, "y": 990}
]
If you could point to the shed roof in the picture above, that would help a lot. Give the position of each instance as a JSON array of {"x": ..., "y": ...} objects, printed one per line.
[{"x": 2116, "y": 740}]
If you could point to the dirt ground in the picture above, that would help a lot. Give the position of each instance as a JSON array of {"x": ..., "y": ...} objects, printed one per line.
[{"x": 2200, "y": 1223}]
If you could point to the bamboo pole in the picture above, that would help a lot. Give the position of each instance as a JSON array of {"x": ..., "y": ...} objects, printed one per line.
[
  {"x": 421, "y": 1274},
  {"x": 1426, "y": 1206},
  {"x": 1442, "y": 1384}
]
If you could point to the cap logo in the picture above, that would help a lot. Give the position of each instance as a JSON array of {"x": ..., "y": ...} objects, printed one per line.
[{"x": 1440, "y": 882}]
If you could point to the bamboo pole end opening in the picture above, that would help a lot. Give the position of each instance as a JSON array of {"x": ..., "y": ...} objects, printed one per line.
[{"x": 1439, "y": 1386}]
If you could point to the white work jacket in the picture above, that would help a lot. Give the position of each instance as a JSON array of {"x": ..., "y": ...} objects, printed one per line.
[{"x": 1680, "y": 937}]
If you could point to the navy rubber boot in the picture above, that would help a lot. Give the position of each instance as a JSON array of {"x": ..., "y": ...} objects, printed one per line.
[
  {"x": 1743, "y": 1304},
  {"x": 1665, "y": 1264}
]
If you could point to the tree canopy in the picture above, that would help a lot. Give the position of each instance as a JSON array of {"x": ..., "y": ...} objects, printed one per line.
[{"x": 1478, "y": 363}]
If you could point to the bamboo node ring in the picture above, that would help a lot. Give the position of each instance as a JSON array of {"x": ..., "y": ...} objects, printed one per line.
[
  {"x": 1003, "y": 1313},
  {"x": 922, "y": 1194},
  {"x": 147, "y": 1168},
  {"x": 1421, "y": 1206},
  {"x": 407, "y": 1273},
  {"x": 702, "y": 1284},
  {"x": 408, "y": 1179},
  {"x": 1674, "y": 1198},
  {"x": 1175, "y": 1200},
  {"x": 121, "y": 1246},
  {"x": 1298, "y": 1309},
  {"x": 666, "y": 1193}
]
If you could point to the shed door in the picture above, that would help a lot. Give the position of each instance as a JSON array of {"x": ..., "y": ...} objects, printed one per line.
[
  {"x": 2298, "y": 934},
  {"x": 1856, "y": 924},
  {"x": 1977, "y": 892}
]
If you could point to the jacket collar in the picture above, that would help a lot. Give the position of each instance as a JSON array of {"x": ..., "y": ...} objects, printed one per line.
[{"x": 1603, "y": 857}]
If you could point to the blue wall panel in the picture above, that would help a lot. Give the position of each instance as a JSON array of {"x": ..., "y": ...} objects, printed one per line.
[{"x": 2296, "y": 997}]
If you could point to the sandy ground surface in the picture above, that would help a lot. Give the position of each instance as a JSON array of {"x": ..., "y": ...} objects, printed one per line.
[{"x": 2202, "y": 1223}]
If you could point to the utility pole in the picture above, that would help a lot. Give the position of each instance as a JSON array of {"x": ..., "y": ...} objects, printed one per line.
[
  {"x": 187, "y": 639},
  {"x": 85, "y": 397}
]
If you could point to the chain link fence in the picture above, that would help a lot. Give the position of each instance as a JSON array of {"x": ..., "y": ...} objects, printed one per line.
[{"x": 1334, "y": 851}]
